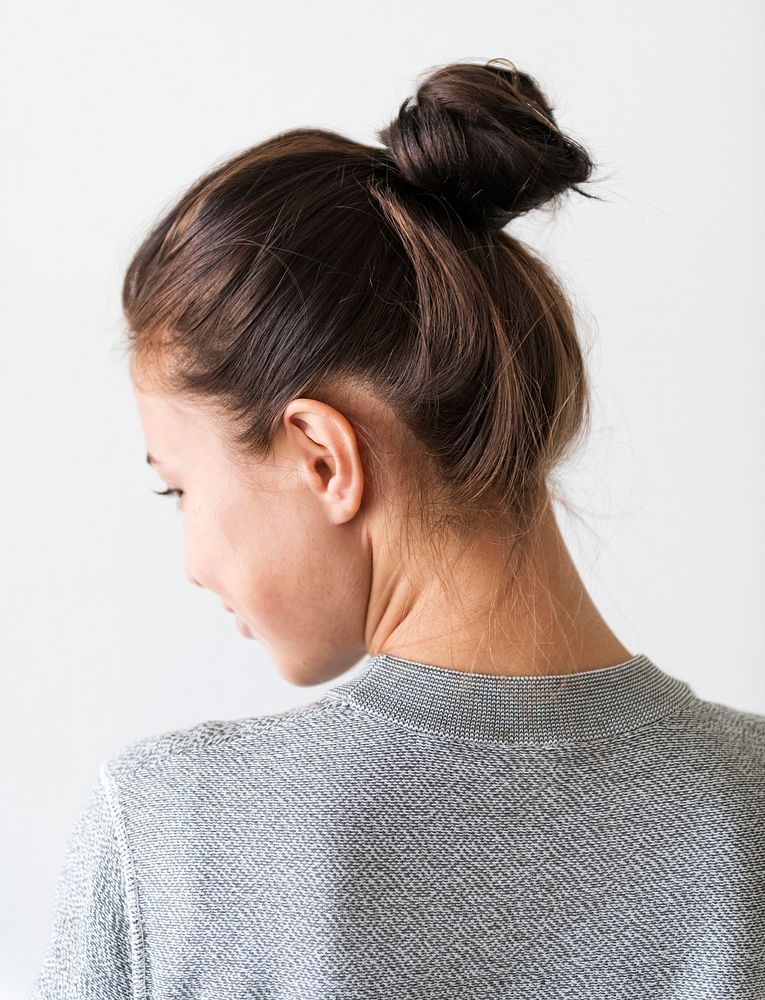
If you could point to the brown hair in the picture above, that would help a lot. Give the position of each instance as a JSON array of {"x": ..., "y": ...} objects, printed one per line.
[{"x": 311, "y": 263}]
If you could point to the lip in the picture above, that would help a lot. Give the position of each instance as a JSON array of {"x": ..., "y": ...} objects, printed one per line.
[
  {"x": 244, "y": 628},
  {"x": 241, "y": 625}
]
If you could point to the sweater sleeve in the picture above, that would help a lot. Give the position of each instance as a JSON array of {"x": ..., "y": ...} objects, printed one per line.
[{"x": 88, "y": 955}]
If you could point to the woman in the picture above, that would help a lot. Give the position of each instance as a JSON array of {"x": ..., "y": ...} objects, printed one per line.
[{"x": 359, "y": 385}]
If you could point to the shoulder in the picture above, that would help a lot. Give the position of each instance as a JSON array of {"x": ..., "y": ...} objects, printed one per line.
[
  {"x": 214, "y": 737},
  {"x": 715, "y": 742},
  {"x": 739, "y": 729}
]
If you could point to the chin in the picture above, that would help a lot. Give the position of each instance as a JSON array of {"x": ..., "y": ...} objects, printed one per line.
[
  {"x": 297, "y": 676},
  {"x": 309, "y": 673}
]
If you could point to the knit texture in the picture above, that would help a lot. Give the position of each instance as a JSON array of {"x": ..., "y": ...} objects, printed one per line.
[{"x": 430, "y": 833}]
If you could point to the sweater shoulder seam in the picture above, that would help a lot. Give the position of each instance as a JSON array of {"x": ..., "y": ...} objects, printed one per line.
[{"x": 137, "y": 947}]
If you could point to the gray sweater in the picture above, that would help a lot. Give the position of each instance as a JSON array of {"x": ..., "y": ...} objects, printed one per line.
[{"x": 425, "y": 832}]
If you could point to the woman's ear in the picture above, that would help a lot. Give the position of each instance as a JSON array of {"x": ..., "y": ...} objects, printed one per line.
[{"x": 325, "y": 450}]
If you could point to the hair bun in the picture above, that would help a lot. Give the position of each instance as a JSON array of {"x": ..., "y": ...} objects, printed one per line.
[{"x": 484, "y": 137}]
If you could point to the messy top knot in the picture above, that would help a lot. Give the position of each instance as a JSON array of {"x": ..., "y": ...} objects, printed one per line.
[
  {"x": 485, "y": 138},
  {"x": 314, "y": 265}
]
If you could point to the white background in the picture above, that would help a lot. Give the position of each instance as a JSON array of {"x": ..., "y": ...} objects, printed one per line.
[{"x": 110, "y": 110}]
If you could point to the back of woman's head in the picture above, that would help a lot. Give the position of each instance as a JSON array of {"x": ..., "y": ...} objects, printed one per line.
[{"x": 314, "y": 265}]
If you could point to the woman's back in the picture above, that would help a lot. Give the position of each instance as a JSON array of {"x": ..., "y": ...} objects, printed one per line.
[{"x": 426, "y": 832}]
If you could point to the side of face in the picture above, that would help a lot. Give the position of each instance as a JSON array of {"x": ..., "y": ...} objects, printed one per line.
[{"x": 285, "y": 544}]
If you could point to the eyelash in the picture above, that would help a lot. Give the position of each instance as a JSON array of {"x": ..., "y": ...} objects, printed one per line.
[{"x": 170, "y": 493}]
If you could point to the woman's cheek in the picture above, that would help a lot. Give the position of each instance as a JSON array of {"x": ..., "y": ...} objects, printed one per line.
[{"x": 269, "y": 596}]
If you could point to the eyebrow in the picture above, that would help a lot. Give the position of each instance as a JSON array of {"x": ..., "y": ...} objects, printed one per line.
[{"x": 151, "y": 460}]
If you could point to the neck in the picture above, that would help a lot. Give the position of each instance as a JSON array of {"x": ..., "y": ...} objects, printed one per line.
[{"x": 539, "y": 619}]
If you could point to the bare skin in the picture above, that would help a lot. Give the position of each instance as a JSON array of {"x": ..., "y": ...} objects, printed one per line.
[{"x": 312, "y": 563}]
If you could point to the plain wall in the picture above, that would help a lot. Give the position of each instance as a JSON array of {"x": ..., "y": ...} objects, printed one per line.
[{"x": 110, "y": 110}]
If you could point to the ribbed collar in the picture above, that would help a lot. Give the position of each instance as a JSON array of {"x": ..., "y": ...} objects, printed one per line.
[{"x": 529, "y": 709}]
